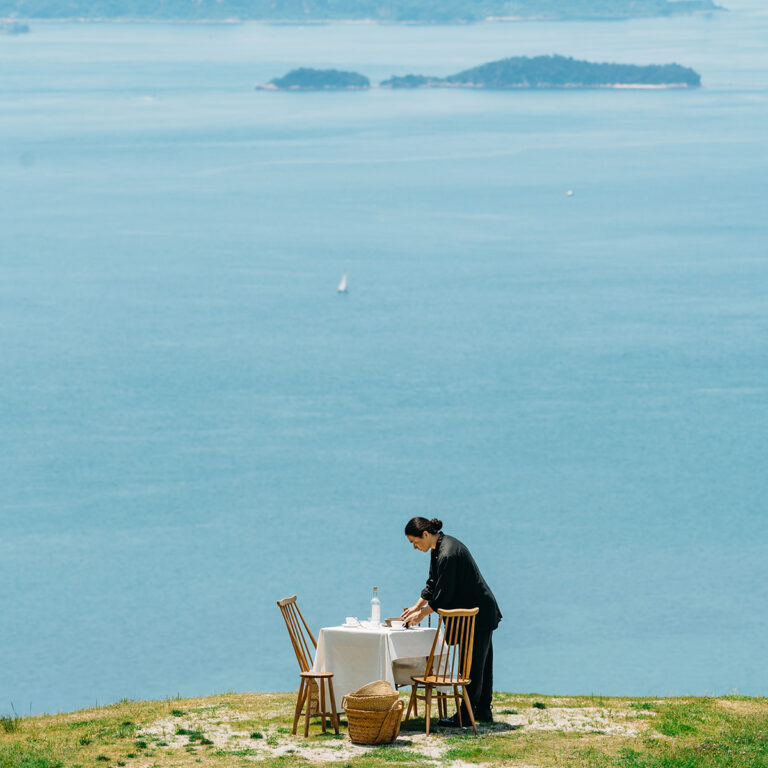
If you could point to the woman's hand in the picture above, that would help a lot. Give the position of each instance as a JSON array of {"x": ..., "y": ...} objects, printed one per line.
[{"x": 416, "y": 613}]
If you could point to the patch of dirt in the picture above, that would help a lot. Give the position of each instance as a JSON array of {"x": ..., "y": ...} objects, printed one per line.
[
  {"x": 578, "y": 719},
  {"x": 743, "y": 707},
  {"x": 226, "y": 729}
]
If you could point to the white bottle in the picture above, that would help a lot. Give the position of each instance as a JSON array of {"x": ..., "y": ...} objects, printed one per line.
[{"x": 375, "y": 608}]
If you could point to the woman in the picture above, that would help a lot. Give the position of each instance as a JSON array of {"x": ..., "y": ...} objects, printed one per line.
[{"x": 455, "y": 581}]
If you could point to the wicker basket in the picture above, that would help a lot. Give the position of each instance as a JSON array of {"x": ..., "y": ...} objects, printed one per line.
[
  {"x": 378, "y": 696},
  {"x": 371, "y": 727}
]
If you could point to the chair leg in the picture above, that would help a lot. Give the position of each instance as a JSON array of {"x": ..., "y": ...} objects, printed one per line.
[
  {"x": 458, "y": 704},
  {"x": 411, "y": 704},
  {"x": 415, "y": 705},
  {"x": 309, "y": 708},
  {"x": 322, "y": 703},
  {"x": 469, "y": 707},
  {"x": 428, "y": 706},
  {"x": 334, "y": 713},
  {"x": 299, "y": 706}
]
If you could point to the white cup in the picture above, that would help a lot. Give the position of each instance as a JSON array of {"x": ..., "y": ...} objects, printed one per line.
[
  {"x": 397, "y": 624},
  {"x": 351, "y": 620}
]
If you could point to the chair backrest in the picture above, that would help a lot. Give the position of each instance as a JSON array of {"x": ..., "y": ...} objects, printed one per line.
[
  {"x": 456, "y": 635},
  {"x": 297, "y": 627}
]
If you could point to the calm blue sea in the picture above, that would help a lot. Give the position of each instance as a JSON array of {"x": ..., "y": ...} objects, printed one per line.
[{"x": 193, "y": 424}]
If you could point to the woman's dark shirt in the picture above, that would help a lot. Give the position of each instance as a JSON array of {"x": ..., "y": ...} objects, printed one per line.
[{"x": 455, "y": 581}]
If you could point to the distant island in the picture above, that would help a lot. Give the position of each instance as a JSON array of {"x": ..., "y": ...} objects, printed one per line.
[
  {"x": 507, "y": 74},
  {"x": 306, "y": 79},
  {"x": 393, "y": 11},
  {"x": 555, "y": 72}
]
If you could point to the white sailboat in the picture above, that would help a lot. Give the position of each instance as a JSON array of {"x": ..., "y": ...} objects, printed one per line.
[{"x": 343, "y": 284}]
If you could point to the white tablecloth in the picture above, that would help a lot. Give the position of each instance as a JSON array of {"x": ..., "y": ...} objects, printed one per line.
[{"x": 358, "y": 656}]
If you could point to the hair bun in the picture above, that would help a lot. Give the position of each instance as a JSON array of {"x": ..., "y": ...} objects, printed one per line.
[{"x": 435, "y": 525}]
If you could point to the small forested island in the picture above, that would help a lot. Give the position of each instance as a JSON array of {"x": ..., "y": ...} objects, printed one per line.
[
  {"x": 555, "y": 72},
  {"x": 386, "y": 11},
  {"x": 306, "y": 79}
]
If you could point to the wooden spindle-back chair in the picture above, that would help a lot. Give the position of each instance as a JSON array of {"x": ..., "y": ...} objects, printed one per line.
[
  {"x": 448, "y": 665},
  {"x": 312, "y": 685}
]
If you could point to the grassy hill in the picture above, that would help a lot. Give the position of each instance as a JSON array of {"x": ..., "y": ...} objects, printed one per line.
[{"x": 530, "y": 730}]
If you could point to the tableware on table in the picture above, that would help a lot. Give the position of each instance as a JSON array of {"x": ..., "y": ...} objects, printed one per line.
[
  {"x": 397, "y": 624},
  {"x": 351, "y": 621}
]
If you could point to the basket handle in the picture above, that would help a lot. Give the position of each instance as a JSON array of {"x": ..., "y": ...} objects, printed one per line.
[
  {"x": 344, "y": 702},
  {"x": 396, "y": 710}
]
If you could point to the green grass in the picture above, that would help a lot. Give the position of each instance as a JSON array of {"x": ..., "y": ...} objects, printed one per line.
[
  {"x": 686, "y": 718},
  {"x": 10, "y": 723},
  {"x": 28, "y": 755},
  {"x": 741, "y": 743},
  {"x": 469, "y": 752}
]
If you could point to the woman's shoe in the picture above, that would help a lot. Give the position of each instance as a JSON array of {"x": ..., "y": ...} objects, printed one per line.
[{"x": 449, "y": 722}]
